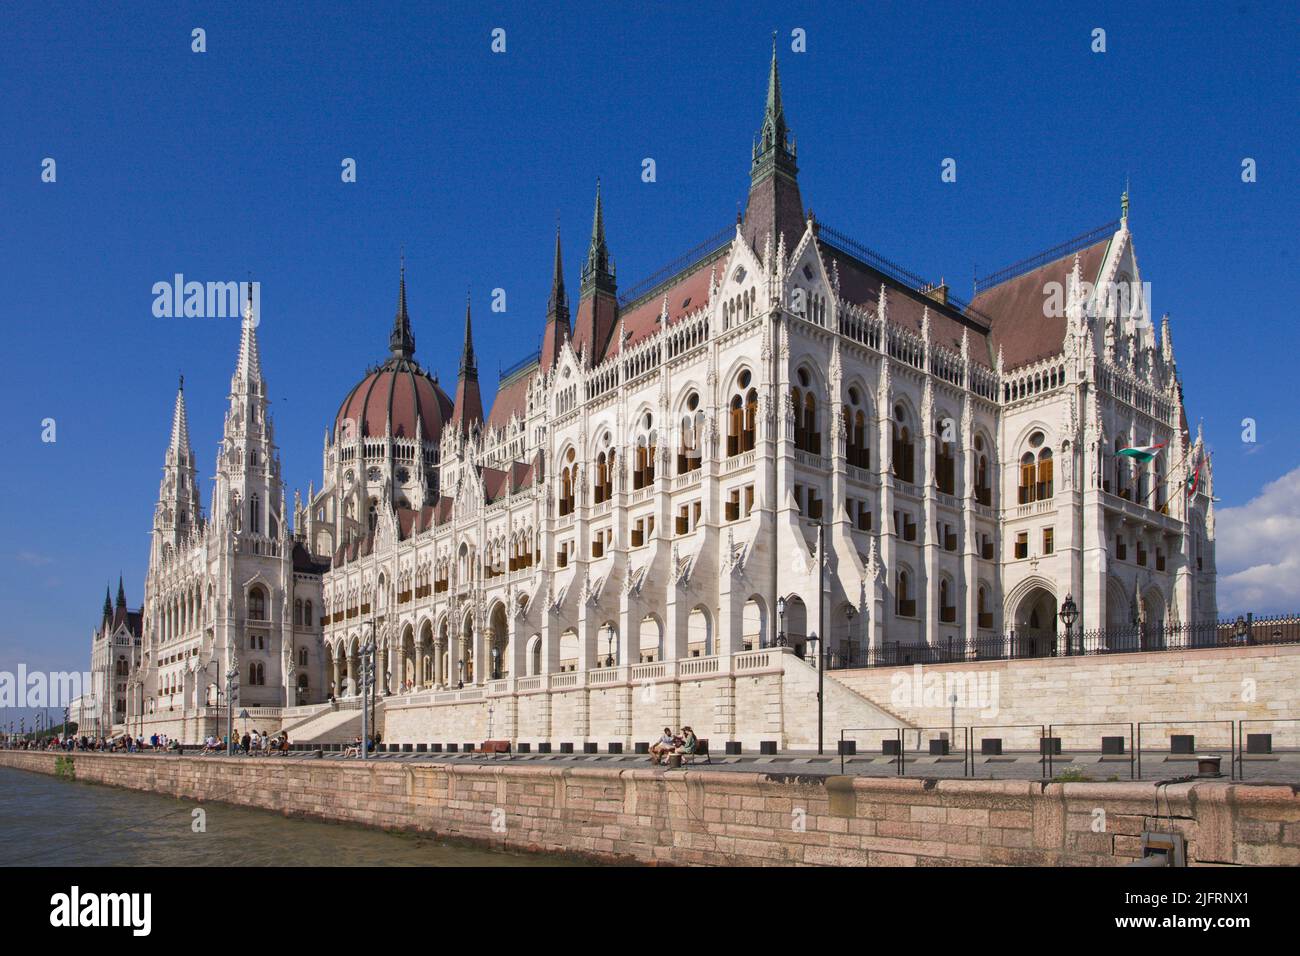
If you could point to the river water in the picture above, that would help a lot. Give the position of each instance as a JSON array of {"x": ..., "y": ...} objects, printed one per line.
[{"x": 46, "y": 821}]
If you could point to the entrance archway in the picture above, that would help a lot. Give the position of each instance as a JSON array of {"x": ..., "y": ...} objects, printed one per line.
[{"x": 1035, "y": 624}]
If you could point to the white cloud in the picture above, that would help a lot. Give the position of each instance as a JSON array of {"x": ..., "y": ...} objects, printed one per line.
[
  {"x": 34, "y": 559},
  {"x": 1257, "y": 550}
]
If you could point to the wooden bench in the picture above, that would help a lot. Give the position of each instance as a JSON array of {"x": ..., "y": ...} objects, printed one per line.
[{"x": 701, "y": 750}]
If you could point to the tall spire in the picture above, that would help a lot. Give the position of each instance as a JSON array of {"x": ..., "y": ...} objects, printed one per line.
[
  {"x": 774, "y": 207},
  {"x": 468, "y": 409},
  {"x": 558, "y": 329},
  {"x": 401, "y": 341},
  {"x": 121, "y": 594},
  {"x": 468, "y": 366},
  {"x": 598, "y": 270},
  {"x": 598, "y": 294},
  {"x": 108, "y": 604},
  {"x": 180, "y": 442},
  {"x": 249, "y": 366},
  {"x": 774, "y": 113}
]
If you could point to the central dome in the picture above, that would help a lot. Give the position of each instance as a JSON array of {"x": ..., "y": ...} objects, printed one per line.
[{"x": 398, "y": 392}]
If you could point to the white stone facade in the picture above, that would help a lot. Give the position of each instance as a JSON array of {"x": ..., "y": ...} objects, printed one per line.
[{"x": 649, "y": 487}]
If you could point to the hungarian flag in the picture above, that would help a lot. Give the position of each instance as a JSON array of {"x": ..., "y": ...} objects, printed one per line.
[
  {"x": 1194, "y": 479},
  {"x": 1141, "y": 453}
]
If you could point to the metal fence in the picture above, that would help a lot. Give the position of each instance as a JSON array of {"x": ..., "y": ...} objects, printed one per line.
[{"x": 1247, "y": 631}]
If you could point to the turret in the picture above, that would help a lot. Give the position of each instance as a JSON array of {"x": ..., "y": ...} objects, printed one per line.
[
  {"x": 774, "y": 208},
  {"x": 558, "y": 330},
  {"x": 598, "y": 293},
  {"x": 467, "y": 413}
]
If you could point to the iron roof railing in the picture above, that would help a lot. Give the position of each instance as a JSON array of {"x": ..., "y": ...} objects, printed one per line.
[{"x": 1046, "y": 256}]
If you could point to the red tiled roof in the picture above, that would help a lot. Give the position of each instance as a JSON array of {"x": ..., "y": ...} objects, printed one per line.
[
  {"x": 685, "y": 295},
  {"x": 1020, "y": 326},
  {"x": 511, "y": 399},
  {"x": 494, "y": 483},
  {"x": 860, "y": 284},
  {"x": 398, "y": 389}
]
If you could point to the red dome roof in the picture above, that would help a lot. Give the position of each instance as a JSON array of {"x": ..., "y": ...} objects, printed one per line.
[{"x": 394, "y": 392}]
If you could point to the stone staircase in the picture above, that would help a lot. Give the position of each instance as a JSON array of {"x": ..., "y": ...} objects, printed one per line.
[
  {"x": 844, "y": 707},
  {"x": 333, "y": 727}
]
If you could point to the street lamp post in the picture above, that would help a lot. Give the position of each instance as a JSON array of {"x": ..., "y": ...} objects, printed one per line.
[
  {"x": 367, "y": 684},
  {"x": 851, "y": 613},
  {"x": 1069, "y": 614},
  {"x": 609, "y": 648},
  {"x": 821, "y": 637},
  {"x": 230, "y": 709},
  {"x": 780, "y": 613},
  {"x": 374, "y": 677}
]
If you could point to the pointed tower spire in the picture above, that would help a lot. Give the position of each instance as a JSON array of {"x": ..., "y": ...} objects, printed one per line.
[
  {"x": 180, "y": 440},
  {"x": 599, "y": 267},
  {"x": 598, "y": 294},
  {"x": 401, "y": 342},
  {"x": 248, "y": 368},
  {"x": 108, "y": 604},
  {"x": 558, "y": 330},
  {"x": 467, "y": 362},
  {"x": 121, "y": 594},
  {"x": 775, "y": 206},
  {"x": 468, "y": 409}
]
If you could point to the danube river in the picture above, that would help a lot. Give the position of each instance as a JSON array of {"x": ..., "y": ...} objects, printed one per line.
[{"x": 45, "y": 821}]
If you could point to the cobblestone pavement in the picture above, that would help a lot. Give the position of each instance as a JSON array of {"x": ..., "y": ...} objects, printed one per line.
[{"x": 1281, "y": 767}]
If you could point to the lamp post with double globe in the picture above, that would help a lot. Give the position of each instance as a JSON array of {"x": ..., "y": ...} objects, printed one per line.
[
  {"x": 780, "y": 613},
  {"x": 1069, "y": 614}
]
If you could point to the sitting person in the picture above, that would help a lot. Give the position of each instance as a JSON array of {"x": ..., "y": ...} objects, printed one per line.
[
  {"x": 355, "y": 749},
  {"x": 663, "y": 746},
  {"x": 689, "y": 743}
]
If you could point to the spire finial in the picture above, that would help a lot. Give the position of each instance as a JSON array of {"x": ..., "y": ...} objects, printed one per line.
[
  {"x": 401, "y": 341},
  {"x": 598, "y": 266},
  {"x": 1123, "y": 201},
  {"x": 467, "y": 363}
]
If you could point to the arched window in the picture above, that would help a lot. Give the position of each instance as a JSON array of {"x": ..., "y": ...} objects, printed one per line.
[
  {"x": 254, "y": 514},
  {"x": 858, "y": 450},
  {"x": 689, "y": 441},
  {"x": 904, "y": 452},
  {"x": 906, "y": 604},
  {"x": 297, "y": 611},
  {"x": 372, "y": 515},
  {"x": 812, "y": 435},
  {"x": 257, "y": 604},
  {"x": 947, "y": 609},
  {"x": 983, "y": 493},
  {"x": 604, "y": 475},
  {"x": 646, "y": 450},
  {"x": 302, "y": 660},
  {"x": 945, "y": 462},
  {"x": 1044, "y": 487},
  {"x": 1025, "y": 491},
  {"x": 568, "y": 476}
]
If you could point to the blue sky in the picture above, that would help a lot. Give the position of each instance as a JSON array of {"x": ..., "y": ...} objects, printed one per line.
[{"x": 226, "y": 163}]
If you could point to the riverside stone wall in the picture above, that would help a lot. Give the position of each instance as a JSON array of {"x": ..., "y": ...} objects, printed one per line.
[{"x": 727, "y": 818}]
